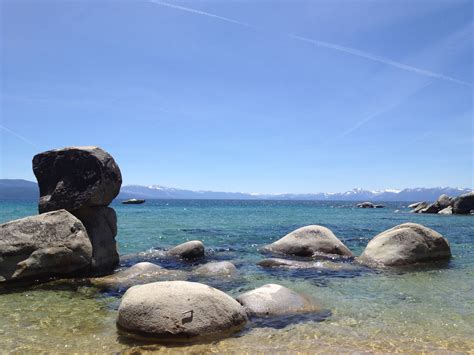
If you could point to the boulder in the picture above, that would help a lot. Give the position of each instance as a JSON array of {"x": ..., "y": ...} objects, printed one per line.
[
  {"x": 443, "y": 201},
  {"x": 323, "y": 265},
  {"x": 190, "y": 250},
  {"x": 138, "y": 274},
  {"x": 431, "y": 208},
  {"x": 272, "y": 300},
  {"x": 464, "y": 204},
  {"x": 44, "y": 246},
  {"x": 101, "y": 226},
  {"x": 405, "y": 244},
  {"x": 219, "y": 268},
  {"x": 309, "y": 241},
  {"x": 76, "y": 177},
  {"x": 415, "y": 205},
  {"x": 446, "y": 211},
  {"x": 365, "y": 205},
  {"x": 419, "y": 207},
  {"x": 178, "y": 311}
]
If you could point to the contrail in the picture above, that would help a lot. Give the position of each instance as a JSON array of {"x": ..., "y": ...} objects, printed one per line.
[
  {"x": 328, "y": 45},
  {"x": 384, "y": 110},
  {"x": 8, "y": 130}
]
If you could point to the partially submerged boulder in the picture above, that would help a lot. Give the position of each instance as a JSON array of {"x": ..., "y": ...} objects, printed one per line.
[
  {"x": 464, "y": 204},
  {"x": 365, "y": 205},
  {"x": 190, "y": 250},
  {"x": 219, "y": 268},
  {"x": 76, "y": 177},
  {"x": 179, "y": 311},
  {"x": 308, "y": 241},
  {"x": 101, "y": 226},
  {"x": 415, "y": 205},
  {"x": 138, "y": 274},
  {"x": 420, "y": 206},
  {"x": 273, "y": 299},
  {"x": 405, "y": 244},
  {"x": 43, "y": 246},
  {"x": 323, "y": 265}
]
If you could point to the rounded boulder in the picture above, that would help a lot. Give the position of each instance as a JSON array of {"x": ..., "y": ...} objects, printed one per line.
[
  {"x": 76, "y": 177},
  {"x": 405, "y": 244},
  {"x": 273, "y": 299},
  {"x": 190, "y": 250},
  {"x": 179, "y": 311},
  {"x": 309, "y": 241}
]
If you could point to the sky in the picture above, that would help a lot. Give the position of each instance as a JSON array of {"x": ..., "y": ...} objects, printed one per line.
[{"x": 251, "y": 96}]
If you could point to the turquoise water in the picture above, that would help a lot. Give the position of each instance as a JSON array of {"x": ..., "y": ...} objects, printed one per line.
[{"x": 422, "y": 309}]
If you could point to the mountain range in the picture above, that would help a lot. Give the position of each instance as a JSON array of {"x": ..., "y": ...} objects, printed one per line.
[{"x": 23, "y": 189}]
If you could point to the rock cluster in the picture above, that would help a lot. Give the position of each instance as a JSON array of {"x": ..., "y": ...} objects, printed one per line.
[
  {"x": 83, "y": 181},
  {"x": 75, "y": 232},
  {"x": 446, "y": 205}
]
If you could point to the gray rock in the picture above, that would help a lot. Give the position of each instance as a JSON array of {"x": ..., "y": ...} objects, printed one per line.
[
  {"x": 308, "y": 241},
  {"x": 443, "y": 201},
  {"x": 219, "y": 268},
  {"x": 101, "y": 226},
  {"x": 379, "y": 206},
  {"x": 138, "y": 274},
  {"x": 365, "y": 205},
  {"x": 405, "y": 244},
  {"x": 190, "y": 250},
  {"x": 324, "y": 265},
  {"x": 179, "y": 311},
  {"x": 415, "y": 205},
  {"x": 464, "y": 204},
  {"x": 419, "y": 207},
  {"x": 44, "y": 246},
  {"x": 431, "y": 208},
  {"x": 76, "y": 177},
  {"x": 272, "y": 299},
  {"x": 446, "y": 211}
]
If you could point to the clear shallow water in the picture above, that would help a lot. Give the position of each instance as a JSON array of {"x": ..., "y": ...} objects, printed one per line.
[{"x": 429, "y": 309}]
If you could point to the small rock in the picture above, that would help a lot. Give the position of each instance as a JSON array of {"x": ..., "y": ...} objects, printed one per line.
[
  {"x": 190, "y": 250},
  {"x": 446, "y": 211},
  {"x": 405, "y": 244},
  {"x": 365, "y": 205},
  {"x": 308, "y": 241},
  {"x": 272, "y": 299},
  {"x": 179, "y": 311},
  {"x": 220, "y": 268}
]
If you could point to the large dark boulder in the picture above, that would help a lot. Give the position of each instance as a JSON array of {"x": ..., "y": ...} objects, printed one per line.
[
  {"x": 309, "y": 241},
  {"x": 44, "y": 246},
  {"x": 76, "y": 177},
  {"x": 101, "y": 226},
  {"x": 405, "y": 244},
  {"x": 464, "y": 204}
]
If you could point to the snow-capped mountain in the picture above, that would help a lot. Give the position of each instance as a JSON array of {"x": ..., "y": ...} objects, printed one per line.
[{"x": 22, "y": 189}]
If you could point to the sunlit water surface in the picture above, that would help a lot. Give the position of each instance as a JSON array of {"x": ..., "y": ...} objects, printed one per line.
[{"x": 424, "y": 309}]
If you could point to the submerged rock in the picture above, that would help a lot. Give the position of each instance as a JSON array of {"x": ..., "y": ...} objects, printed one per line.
[
  {"x": 44, "y": 246},
  {"x": 133, "y": 201},
  {"x": 219, "y": 268},
  {"x": 101, "y": 226},
  {"x": 464, "y": 204},
  {"x": 273, "y": 299},
  {"x": 190, "y": 250},
  {"x": 76, "y": 177},
  {"x": 325, "y": 265},
  {"x": 179, "y": 311},
  {"x": 308, "y": 241},
  {"x": 405, "y": 244},
  {"x": 138, "y": 274}
]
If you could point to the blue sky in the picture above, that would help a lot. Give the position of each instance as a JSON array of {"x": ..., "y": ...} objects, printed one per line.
[{"x": 252, "y": 96}]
